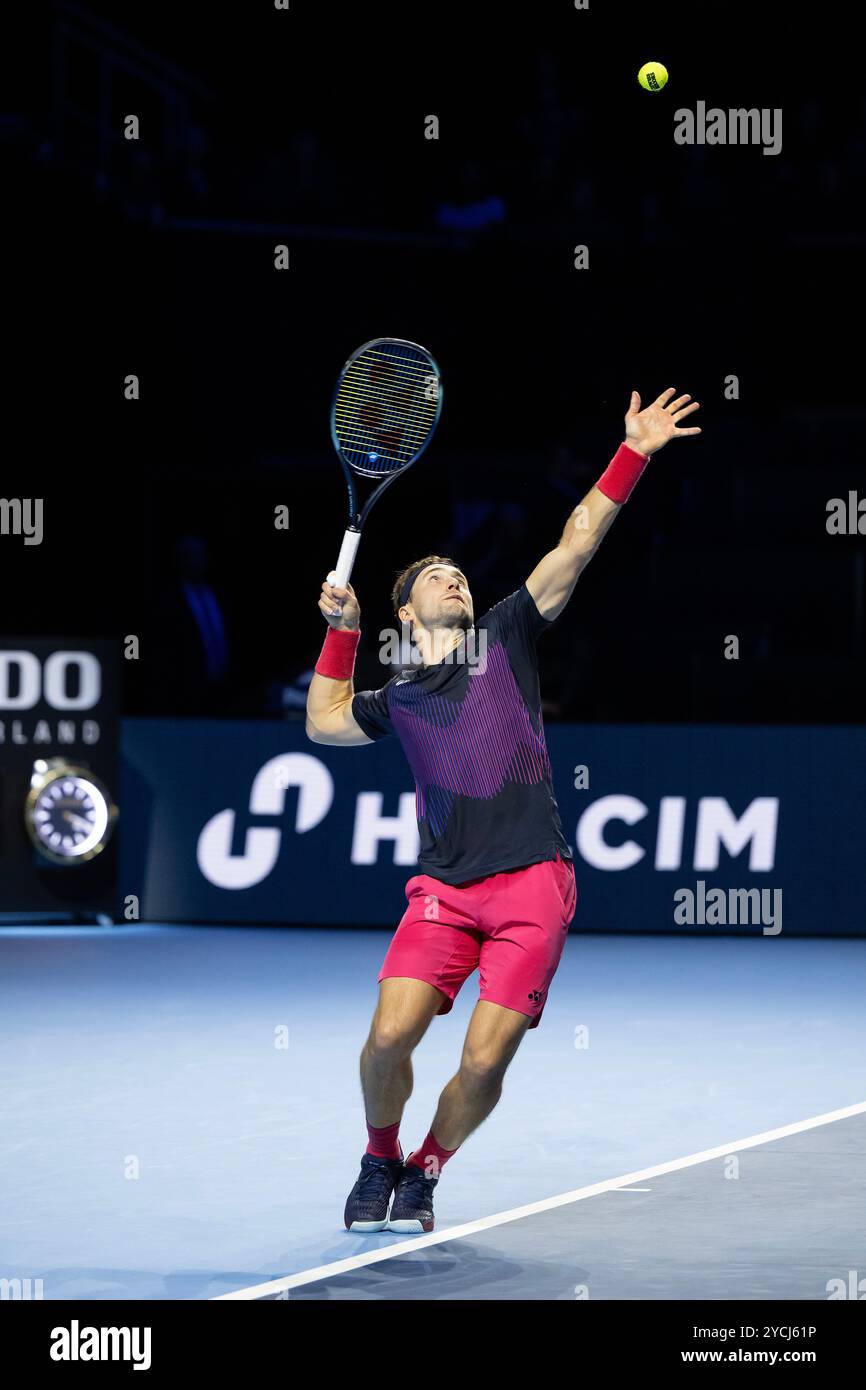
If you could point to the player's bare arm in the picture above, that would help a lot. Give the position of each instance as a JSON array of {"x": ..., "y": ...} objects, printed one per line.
[
  {"x": 329, "y": 699},
  {"x": 552, "y": 582}
]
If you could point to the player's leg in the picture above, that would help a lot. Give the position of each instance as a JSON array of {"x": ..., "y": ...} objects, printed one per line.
[
  {"x": 405, "y": 1011},
  {"x": 432, "y": 953},
  {"x": 525, "y": 924},
  {"x": 492, "y": 1038},
  {"x": 527, "y": 914}
]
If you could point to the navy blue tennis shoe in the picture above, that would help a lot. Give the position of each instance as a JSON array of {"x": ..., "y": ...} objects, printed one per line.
[
  {"x": 412, "y": 1209},
  {"x": 367, "y": 1204}
]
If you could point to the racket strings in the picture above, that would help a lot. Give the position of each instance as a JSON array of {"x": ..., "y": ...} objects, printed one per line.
[
  {"x": 385, "y": 410},
  {"x": 363, "y": 405}
]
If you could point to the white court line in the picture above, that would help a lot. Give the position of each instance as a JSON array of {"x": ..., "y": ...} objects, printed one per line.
[{"x": 485, "y": 1223}]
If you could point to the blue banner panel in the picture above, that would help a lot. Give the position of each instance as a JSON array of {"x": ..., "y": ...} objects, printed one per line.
[{"x": 706, "y": 829}]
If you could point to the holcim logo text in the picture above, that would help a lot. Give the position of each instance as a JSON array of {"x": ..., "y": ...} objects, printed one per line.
[{"x": 717, "y": 827}]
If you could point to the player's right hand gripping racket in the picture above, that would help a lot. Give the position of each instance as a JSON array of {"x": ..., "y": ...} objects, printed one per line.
[{"x": 385, "y": 409}]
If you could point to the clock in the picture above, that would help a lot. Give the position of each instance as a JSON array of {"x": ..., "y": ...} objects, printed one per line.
[{"x": 68, "y": 813}]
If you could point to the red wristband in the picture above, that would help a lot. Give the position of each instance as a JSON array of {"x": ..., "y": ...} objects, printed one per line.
[
  {"x": 618, "y": 479},
  {"x": 337, "y": 658}
]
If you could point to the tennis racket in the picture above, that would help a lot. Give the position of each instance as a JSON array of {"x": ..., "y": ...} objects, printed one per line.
[{"x": 385, "y": 409}]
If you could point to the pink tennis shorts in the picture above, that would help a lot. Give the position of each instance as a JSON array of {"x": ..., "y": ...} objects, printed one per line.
[{"x": 510, "y": 926}]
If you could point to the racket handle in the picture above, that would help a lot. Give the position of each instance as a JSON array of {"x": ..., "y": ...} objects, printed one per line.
[{"x": 348, "y": 550}]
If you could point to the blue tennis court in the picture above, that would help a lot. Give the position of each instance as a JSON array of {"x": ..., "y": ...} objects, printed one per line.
[{"x": 183, "y": 1120}]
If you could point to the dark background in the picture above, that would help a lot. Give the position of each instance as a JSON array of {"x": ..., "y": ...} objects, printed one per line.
[{"x": 262, "y": 127}]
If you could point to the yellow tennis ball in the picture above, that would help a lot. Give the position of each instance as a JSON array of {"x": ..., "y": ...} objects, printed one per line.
[{"x": 653, "y": 76}]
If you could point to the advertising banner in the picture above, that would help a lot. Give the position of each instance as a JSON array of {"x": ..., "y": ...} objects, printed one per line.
[{"x": 674, "y": 828}]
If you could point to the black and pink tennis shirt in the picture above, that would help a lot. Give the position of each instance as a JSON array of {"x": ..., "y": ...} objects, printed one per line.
[{"x": 472, "y": 732}]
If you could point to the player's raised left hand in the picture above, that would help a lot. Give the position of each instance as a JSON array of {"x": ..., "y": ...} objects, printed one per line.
[{"x": 650, "y": 429}]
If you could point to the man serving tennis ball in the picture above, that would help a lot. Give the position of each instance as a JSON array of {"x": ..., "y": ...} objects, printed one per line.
[{"x": 495, "y": 888}]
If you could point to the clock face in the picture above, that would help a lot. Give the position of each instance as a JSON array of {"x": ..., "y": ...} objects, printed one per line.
[{"x": 69, "y": 817}]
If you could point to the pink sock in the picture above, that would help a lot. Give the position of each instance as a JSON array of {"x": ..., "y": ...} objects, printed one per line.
[
  {"x": 383, "y": 1142},
  {"x": 430, "y": 1156}
]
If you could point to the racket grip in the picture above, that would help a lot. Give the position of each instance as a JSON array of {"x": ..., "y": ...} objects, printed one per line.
[{"x": 346, "y": 560}]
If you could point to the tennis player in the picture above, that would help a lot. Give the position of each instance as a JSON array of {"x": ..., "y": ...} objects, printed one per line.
[{"x": 495, "y": 888}]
